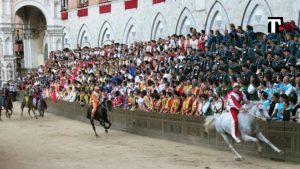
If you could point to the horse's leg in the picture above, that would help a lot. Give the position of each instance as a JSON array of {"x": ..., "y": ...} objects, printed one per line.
[
  {"x": 237, "y": 156},
  {"x": 11, "y": 112},
  {"x": 102, "y": 123},
  {"x": 22, "y": 111},
  {"x": 93, "y": 125},
  {"x": 105, "y": 128},
  {"x": 6, "y": 113},
  {"x": 35, "y": 115},
  {"x": 29, "y": 112},
  {"x": 261, "y": 137},
  {"x": 248, "y": 138},
  {"x": 109, "y": 124}
]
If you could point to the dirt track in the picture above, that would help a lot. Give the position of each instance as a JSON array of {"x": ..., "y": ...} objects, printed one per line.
[{"x": 59, "y": 143}]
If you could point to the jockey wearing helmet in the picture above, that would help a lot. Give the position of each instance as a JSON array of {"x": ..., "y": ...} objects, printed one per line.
[
  {"x": 27, "y": 93},
  {"x": 37, "y": 92},
  {"x": 235, "y": 99},
  {"x": 95, "y": 100}
]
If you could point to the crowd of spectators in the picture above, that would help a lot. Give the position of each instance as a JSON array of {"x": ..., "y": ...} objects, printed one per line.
[{"x": 188, "y": 75}]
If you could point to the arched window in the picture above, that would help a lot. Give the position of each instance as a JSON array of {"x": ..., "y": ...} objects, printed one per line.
[
  {"x": 83, "y": 3},
  {"x": 64, "y": 5},
  {"x": 9, "y": 72}
]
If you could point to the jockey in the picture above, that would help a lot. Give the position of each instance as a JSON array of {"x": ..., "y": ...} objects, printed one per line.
[
  {"x": 95, "y": 100},
  {"x": 37, "y": 94},
  {"x": 235, "y": 98},
  {"x": 27, "y": 93},
  {"x": 4, "y": 95}
]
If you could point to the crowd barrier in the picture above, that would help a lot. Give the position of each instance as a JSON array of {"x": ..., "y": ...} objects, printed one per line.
[{"x": 189, "y": 129}]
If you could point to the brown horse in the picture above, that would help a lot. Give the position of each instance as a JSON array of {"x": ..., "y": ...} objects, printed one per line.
[
  {"x": 8, "y": 106},
  {"x": 29, "y": 105}
]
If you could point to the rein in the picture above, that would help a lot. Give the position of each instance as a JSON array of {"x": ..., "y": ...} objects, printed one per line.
[{"x": 253, "y": 115}]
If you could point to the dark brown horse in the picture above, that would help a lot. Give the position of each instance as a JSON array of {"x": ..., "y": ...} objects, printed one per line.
[
  {"x": 41, "y": 107},
  {"x": 28, "y": 104},
  {"x": 100, "y": 115},
  {"x": 8, "y": 106}
]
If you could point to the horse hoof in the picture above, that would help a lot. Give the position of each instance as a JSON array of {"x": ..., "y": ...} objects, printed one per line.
[
  {"x": 97, "y": 136},
  {"x": 238, "y": 158},
  {"x": 106, "y": 131},
  {"x": 259, "y": 150}
]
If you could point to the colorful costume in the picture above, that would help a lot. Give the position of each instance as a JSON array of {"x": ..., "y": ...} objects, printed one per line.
[
  {"x": 95, "y": 102},
  {"x": 234, "y": 100}
]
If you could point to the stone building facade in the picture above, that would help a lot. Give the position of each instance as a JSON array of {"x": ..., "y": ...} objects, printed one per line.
[{"x": 47, "y": 25}]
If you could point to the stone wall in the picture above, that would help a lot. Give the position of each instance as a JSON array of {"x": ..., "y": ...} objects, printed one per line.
[
  {"x": 150, "y": 21},
  {"x": 285, "y": 136}
]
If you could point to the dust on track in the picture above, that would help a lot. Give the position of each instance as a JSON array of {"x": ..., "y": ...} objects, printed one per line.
[{"x": 55, "y": 142}]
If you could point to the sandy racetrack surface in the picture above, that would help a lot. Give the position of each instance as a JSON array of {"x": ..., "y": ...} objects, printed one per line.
[{"x": 59, "y": 143}]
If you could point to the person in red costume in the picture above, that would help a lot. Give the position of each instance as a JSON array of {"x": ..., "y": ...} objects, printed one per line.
[{"x": 235, "y": 99}]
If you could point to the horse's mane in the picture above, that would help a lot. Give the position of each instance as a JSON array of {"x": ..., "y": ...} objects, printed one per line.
[{"x": 251, "y": 107}]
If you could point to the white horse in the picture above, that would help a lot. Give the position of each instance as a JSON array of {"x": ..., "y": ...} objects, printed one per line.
[{"x": 248, "y": 127}]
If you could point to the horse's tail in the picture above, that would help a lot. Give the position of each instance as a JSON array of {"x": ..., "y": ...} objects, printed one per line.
[{"x": 210, "y": 122}]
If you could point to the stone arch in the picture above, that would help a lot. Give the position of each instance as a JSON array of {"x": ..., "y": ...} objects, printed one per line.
[
  {"x": 185, "y": 22},
  {"x": 58, "y": 44},
  {"x": 9, "y": 70},
  {"x": 66, "y": 38},
  {"x": 159, "y": 27},
  {"x": 217, "y": 17},
  {"x": 41, "y": 5},
  {"x": 84, "y": 37},
  {"x": 131, "y": 31},
  {"x": 256, "y": 14},
  {"x": 106, "y": 34},
  {"x": 7, "y": 46},
  {"x": 2, "y": 74}
]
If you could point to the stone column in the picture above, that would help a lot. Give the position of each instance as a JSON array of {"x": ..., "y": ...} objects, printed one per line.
[
  {"x": 8, "y": 59},
  {"x": 1, "y": 8},
  {"x": 54, "y": 34}
]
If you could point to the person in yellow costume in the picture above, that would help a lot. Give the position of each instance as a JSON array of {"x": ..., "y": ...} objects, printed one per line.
[
  {"x": 184, "y": 104},
  {"x": 147, "y": 101},
  {"x": 176, "y": 103},
  {"x": 187, "y": 105},
  {"x": 95, "y": 100},
  {"x": 194, "y": 105},
  {"x": 163, "y": 100},
  {"x": 187, "y": 87},
  {"x": 27, "y": 93},
  {"x": 132, "y": 101},
  {"x": 168, "y": 105},
  {"x": 158, "y": 105}
]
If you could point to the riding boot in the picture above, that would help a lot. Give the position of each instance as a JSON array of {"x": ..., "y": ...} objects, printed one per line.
[{"x": 234, "y": 133}]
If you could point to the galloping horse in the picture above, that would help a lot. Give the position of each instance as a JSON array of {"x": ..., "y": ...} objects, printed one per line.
[
  {"x": 100, "y": 115},
  {"x": 248, "y": 126},
  {"x": 41, "y": 106},
  {"x": 28, "y": 104},
  {"x": 8, "y": 106}
]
